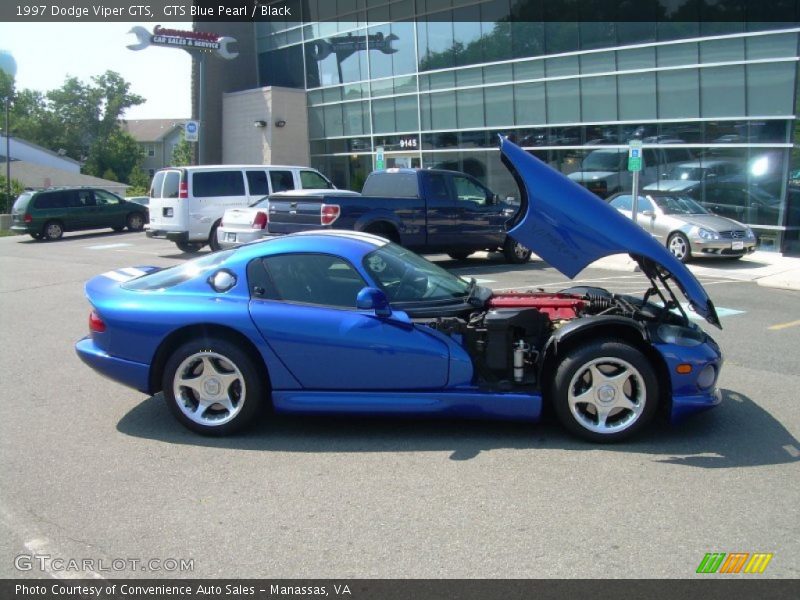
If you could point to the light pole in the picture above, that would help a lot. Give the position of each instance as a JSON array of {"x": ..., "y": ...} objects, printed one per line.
[{"x": 9, "y": 66}]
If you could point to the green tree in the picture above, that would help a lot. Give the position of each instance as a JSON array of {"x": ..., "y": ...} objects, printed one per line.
[
  {"x": 182, "y": 153},
  {"x": 140, "y": 183},
  {"x": 80, "y": 120},
  {"x": 6, "y": 201}
]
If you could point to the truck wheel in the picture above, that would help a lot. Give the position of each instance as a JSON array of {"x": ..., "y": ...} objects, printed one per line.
[
  {"x": 515, "y": 253},
  {"x": 605, "y": 391},
  {"x": 459, "y": 255},
  {"x": 213, "y": 242},
  {"x": 189, "y": 247}
]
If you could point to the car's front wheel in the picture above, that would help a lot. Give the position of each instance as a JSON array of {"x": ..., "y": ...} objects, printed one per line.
[
  {"x": 678, "y": 245},
  {"x": 213, "y": 387},
  {"x": 515, "y": 253},
  {"x": 605, "y": 391}
]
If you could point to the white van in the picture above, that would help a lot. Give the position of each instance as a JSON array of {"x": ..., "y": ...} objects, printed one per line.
[{"x": 187, "y": 203}]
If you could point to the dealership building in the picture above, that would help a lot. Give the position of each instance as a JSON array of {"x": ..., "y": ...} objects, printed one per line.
[{"x": 709, "y": 88}]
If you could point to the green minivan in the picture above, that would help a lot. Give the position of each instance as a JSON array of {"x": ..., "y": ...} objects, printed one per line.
[{"x": 47, "y": 214}]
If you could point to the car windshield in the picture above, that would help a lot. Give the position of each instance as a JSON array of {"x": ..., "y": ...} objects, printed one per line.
[
  {"x": 678, "y": 205},
  {"x": 260, "y": 203},
  {"x": 167, "y": 278},
  {"x": 406, "y": 277},
  {"x": 686, "y": 173},
  {"x": 603, "y": 161}
]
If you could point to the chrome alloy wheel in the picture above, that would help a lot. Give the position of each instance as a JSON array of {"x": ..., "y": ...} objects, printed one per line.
[
  {"x": 679, "y": 247},
  {"x": 607, "y": 395},
  {"x": 209, "y": 388}
]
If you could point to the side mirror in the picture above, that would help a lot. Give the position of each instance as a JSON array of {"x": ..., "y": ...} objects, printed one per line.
[
  {"x": 370, "y": 298},
  {"x": 648, "y": 213}
]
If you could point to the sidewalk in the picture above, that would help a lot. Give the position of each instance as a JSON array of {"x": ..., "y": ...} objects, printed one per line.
[{"x": 767, "y": 269}]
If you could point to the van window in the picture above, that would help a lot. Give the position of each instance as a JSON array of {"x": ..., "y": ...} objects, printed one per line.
[
  {"x": 85, "y": 198},
  {"x": 21, "y": 203},
  {"x": 314, "y": 181},
  {"x": 155, "y": 187},
  {"x": 282, "y": 180},
  {"x": 105, "y": 198},
  {"x": 52, "y": 200},
  {"x": 172, "y": 181},
  {"x": 217, "y": 183},
  {"x": 257, "y": 182}
]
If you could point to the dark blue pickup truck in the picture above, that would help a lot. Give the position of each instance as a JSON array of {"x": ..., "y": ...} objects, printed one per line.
[{"x": 422, "y": 209}]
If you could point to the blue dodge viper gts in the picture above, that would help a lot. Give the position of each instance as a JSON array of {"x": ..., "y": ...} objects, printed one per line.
[{"x": 345, "y": 322}]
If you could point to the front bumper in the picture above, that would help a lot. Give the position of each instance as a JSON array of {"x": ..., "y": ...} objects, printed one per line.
[
  {"x": 712, "y": 248},
  {"x": 126, "y": 372},
  {"x": 685, "y": 406}
]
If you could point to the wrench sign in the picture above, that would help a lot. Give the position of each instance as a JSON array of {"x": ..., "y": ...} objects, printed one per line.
[{"x": 186, "y": 40}]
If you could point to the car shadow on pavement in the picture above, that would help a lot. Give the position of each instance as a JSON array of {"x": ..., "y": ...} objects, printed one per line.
[
  {"x": 70, "y": 236},
  {"x": 739, "y": 433}
]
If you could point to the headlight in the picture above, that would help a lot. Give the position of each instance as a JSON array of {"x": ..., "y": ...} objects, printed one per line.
[
  {"x": 707, "y": 377},
  {"x": 707, "y": 234},
  {"x": 681, "y": 336},
  {"x": 749, "y": 233}
]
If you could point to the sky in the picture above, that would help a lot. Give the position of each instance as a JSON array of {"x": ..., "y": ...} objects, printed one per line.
[{"x": 46, "y": 53}]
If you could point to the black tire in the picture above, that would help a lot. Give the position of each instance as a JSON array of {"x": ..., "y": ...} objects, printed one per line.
[
  {"x": 213, "y": 242},
  {"x": 515, "y": 253},
  {"x": 189, "y": 247},
  {"x": 52, "y": 230},
  {"x": 385, "y": 231},
  {"x": 135, "y": 221},
  {"x": 678, "y": 245},
  {"x": 118, "y": 229},
  {"x": 735, "y": 257},
  {"x": 245, "y": 395},
  {"x": 37, "y": 236},
  {"x": 459, "y": 255},
  {"x": 609, "y": 415}
]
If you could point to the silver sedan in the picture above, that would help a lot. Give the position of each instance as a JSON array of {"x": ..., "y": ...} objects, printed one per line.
[{"x": 687, "y": 229}]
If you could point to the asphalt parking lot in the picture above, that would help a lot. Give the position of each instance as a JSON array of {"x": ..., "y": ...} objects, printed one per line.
[{"x": 92, "y": 470}]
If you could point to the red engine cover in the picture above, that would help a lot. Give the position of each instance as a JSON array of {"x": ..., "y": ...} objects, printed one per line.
[{"x": 555, "y": 306}]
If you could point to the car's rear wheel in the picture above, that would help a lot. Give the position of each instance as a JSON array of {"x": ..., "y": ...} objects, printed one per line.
[
  {"x": 678, "y": 245},
  {"x": 213, "y": 242},
  {"x": 37, "y": 236},
  {"x": 459, "y": 255},
  {"x": 53, "y": 230},
  {"x": 190, "y": 247},
  {"x": 213, "y": 387},
  {"x": 515, "y": 253},
  {"x": 118, "y": 229},
  {"x": 606, "y": 391},
  {"x": 135, "y": 221}
]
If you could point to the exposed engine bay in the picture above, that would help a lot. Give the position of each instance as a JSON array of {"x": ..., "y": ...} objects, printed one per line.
[{"x": 508, "y": 337}]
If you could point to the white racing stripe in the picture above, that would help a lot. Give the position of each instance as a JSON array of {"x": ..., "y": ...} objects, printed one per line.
[
  {"x": 117, "y": 276},
  {"x": 132, "y": 271},
  {"x": 106, "y": 246}
]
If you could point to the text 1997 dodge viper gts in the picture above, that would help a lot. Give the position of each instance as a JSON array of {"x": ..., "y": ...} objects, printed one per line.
[{"x": 345, "y": 322}]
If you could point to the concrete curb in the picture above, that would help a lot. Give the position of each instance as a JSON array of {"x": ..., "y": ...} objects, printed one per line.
[{"x": 782, "y": 281}]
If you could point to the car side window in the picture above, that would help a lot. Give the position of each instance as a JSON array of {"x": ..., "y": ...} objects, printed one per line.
[
  {"x": 281, "y": 181},
  {"x": 645, "y": 204},
  {"x": 105, "y": 198},
  {"x": 51, "y": 200},
  {"x": 257, "y": 182},
  {"x": 468, "y": 191},
  {"x": 622, "y": 202},
  {"x": 319, "y": 279},
  {"x": 217, "y": 183},
  {"x": 86, "y": 198},
  {"x": 437, "y": 187},
  {"x": 313, "y": 181}
]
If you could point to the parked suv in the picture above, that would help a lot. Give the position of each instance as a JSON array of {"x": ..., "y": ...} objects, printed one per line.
[
  {"x": 605, "y": 171},
  {"x": 47, "y": 214},
  {"x": 187, "y": 203}
]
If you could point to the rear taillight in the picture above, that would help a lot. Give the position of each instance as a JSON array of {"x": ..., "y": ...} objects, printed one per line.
[
  {"x": 27, "y": 218},
  {"x": 183, "y": 189},
  {"x": 96, "y": 324},
  {"x": 261, "y": 220},
  {"x": 329, "y": 213}
]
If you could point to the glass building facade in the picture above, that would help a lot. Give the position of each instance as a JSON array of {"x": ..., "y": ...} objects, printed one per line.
[{"x": 433, "y": 82}]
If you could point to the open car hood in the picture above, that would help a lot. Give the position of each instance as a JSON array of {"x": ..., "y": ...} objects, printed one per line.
[{"x": 570, "y": 228}]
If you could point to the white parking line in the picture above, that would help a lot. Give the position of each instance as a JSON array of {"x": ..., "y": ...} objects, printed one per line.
[{"x": 107, "y": 246}]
